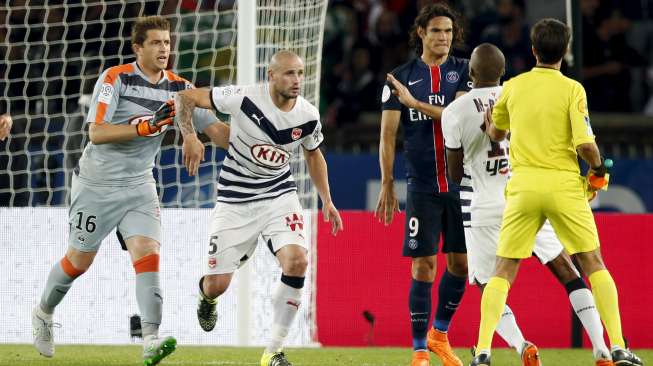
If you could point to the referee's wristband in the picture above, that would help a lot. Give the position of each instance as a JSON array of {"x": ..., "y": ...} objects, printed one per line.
[{"x": 601, "y": 168}]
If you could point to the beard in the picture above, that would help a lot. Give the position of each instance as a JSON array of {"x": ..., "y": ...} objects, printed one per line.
[{"x": 287, "y": 95}]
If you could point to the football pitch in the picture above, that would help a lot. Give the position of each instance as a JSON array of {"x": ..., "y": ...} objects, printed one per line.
[{"x": 15, "y": 355}]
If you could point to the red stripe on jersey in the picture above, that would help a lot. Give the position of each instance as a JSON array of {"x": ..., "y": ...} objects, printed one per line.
[
  {"x": 440, "y": 162},
  {"x": 438, "y": 138},
  {"x": 435, "y": 78}
]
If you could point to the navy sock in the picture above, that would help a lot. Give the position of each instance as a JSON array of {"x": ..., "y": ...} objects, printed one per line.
[
  {"x": 419, "y": 304},
  {"x": 450, "y": 292}
]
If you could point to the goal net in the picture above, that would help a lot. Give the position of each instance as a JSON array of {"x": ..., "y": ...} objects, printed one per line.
[{"x": 53, "y": 52}]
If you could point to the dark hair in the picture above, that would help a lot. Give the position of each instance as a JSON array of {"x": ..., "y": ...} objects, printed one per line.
[
  {"x": 144, "y": 24},
  {"x": 550, "y": 39},
  {"x": 424, "y": 17}
]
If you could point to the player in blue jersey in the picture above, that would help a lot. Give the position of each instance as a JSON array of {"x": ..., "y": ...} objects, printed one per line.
[{"x": 415, "y": 95}]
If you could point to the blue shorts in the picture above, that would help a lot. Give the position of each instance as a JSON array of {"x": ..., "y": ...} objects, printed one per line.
[{"x": 428, "y": 215}]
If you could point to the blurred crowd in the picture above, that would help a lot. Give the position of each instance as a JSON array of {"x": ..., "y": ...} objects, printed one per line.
[{"x": 365, "y": 39}]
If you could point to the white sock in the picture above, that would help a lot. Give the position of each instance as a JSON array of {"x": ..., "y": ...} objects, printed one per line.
[
  {"x": 285, "y": 303},
  {"x": 585, "y": 308},
  {"x": 509, "y": 331}
]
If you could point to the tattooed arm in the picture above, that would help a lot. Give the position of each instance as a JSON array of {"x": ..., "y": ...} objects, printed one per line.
[{"x": 185, "y": 103}]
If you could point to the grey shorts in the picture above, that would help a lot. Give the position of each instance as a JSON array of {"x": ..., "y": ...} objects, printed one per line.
[{"x": 96, "y": 210}]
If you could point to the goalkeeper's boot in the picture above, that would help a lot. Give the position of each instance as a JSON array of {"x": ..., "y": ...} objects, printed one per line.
[
  {"x": 530, "y": 356},
  {"x": 438, "y": 343},
  {"x": 420, "y": 358},
  {"x": 207, "y": 313},
  {"x": 274, "y": 359},
  {"x": 42, "y": 330},
  {"x": 156, "y": 349},
  {"x": 625, "y": 357}
]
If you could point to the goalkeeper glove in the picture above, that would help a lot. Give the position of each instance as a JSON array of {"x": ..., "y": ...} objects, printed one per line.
[{"x": 163, "y": 116}]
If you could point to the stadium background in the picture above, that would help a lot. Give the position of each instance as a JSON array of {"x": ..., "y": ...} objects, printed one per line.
[{"x": 360, "y": 274}]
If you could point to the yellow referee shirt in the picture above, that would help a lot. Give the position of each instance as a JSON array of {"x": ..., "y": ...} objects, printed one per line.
[{"x": 546, "y": 113}]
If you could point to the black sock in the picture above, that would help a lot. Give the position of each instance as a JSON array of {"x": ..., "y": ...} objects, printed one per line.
[{"x": 450, "y": 292}]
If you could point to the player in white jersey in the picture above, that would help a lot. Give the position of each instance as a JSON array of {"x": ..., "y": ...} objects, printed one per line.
[
  {"x": 469, "y": 148},
  {"x": 113, "y": 185},
  {"x": 256, "y": 192}
]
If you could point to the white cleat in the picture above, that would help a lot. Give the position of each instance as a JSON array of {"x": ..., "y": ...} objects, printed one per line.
[{"x": 42, "y": 331}]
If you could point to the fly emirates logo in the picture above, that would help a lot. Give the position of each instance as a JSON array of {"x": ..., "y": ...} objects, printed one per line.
[{"x": 416, "y": 115}]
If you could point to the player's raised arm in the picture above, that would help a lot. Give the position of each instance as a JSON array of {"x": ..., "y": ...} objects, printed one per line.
[
  {"x": 387, "y": 203},
  {"x": 193, "y": 149},
  {"x": 407, "y": 99},
  {"x": 495, "y": 134}
]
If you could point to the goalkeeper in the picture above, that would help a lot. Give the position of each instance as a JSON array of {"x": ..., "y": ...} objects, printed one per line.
[
  {"x": 547, "y": 116},
  {"x": 113, "y": 185}
]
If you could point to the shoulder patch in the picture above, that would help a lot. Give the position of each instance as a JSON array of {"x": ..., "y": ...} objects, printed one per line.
[
  {"x": 385, "y": 94},
  {"x": 106, "y": 93}
]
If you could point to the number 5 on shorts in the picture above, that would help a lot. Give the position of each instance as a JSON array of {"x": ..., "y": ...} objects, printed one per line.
[{"x": 213, "y": 245}]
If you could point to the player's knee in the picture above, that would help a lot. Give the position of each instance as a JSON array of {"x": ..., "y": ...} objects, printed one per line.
[
  {"x": 562, "y": 269},
  {"x": 295, "y": 265},
  {"x": 590, "y": 262},
  {"x": 457, "y": 264},
  {"x": 424, "y": 268},
  {"x": 140, "y": 247},
  {"x": 215, "y": 285},
  {"x": 79, "y": 261}
]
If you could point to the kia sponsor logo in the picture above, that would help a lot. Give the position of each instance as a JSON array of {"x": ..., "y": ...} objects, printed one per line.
[{"x": 270, "y": 156}]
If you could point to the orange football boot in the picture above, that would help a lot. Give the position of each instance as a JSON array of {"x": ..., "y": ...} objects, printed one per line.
[
  {"x": 530, "y": 356},
  {"x": 604, "y": 362},
  {"x": 439, "y": 344},
  {"x": 420, "y": 358}
]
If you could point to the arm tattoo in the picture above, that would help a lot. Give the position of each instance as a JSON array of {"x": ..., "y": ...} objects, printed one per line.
[{"x": 185, "y": 106}]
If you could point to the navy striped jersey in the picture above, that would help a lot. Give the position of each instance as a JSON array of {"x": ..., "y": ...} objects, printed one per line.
[
  {"x": 261, "y": 142},
  {"x": 124, "y": 95},
  {"x": 426, "y": 169},
  {"x": 484, "y": 160}
]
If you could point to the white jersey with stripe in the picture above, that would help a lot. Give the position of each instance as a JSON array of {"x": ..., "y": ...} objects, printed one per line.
[
  {"x": 124, "y": 95},
  {"x": 486, "y": 162},
  {"x": 261, "y": 142}
]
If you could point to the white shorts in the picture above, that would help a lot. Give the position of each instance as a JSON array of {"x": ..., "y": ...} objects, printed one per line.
[
  {"x": 482, "y": 244},
  {"x": 235, "y": 229}
]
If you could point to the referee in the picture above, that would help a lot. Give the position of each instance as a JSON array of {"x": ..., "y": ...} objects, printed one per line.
[{"x": 547, "y": 116}]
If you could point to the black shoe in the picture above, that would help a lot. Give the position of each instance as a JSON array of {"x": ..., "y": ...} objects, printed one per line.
[
  {"x": 207, "y": 314},
  {"x": 625, "y": 357},
  {"x": 275, "y": 359},
  {"x": 482, "y": 359}
]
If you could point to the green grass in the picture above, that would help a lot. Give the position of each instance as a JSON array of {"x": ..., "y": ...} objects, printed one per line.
[{"x": 200, "y": 356}]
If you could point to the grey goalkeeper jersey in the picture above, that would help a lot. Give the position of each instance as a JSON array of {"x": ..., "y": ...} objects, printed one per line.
[{"x": 123, "y": 95}]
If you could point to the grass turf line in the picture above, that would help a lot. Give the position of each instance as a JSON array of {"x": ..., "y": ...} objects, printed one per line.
[{"x": 73, "y": 355}]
